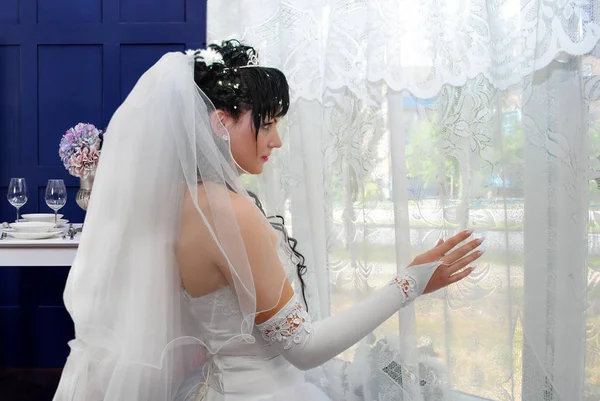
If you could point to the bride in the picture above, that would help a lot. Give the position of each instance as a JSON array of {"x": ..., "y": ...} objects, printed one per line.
[{"x": 182, "y": 289}]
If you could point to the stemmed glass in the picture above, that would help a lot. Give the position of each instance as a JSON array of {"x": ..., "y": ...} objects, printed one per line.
[
  {"x": 17, "y": 193},
  {"x": 56, "y": 196}
]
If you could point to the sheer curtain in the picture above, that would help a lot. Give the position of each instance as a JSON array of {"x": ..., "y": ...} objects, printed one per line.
[{"x": 412, "y": 120}]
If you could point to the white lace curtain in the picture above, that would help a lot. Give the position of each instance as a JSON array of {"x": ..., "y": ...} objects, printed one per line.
[{"x": 412, "y": 120}]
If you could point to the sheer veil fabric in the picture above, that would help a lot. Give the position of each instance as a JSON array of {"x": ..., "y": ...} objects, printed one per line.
[{"x": 134, "y": 336}]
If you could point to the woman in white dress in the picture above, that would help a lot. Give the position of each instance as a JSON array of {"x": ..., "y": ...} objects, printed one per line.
[{"x": 182, "y": 289}]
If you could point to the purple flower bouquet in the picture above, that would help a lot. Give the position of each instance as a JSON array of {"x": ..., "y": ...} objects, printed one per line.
[{"x": 80, "y": 149}]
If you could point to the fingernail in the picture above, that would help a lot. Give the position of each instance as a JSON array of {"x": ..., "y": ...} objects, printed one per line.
[
  {"x": 479, "y": 240},
  {"x": 469, "y": 232},
  {"x": 480, "y": 252}
]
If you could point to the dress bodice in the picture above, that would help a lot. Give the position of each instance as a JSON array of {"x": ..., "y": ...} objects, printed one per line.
[
  {"x": 239, "y": 368},
  {"x": 218, "y": 317}
]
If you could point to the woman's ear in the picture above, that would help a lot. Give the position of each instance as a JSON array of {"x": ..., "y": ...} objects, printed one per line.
[{"x": 219, "y": 120}]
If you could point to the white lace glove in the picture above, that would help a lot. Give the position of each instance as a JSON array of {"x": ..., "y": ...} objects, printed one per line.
[{"x": 307, "y": 345}]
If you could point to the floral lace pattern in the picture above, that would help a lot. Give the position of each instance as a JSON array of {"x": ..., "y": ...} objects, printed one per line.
[
  {"x": 226, "y": 301},
  {"x": 325, "y": 45},
  {"x": 337, "y": 158},
  {"x": 223, "y": 300},
  {"x": 461, "y": 143},
  {"x": 407, "y": 285},
  {"x": 290, "y": 326}
]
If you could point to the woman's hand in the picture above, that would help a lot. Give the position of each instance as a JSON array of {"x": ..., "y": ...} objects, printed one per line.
[{"x": 452, "y": 262}]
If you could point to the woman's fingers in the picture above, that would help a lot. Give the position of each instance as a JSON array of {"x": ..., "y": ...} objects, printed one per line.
[
  {"x": 443, "y": 247},
  {"x": 451, "y": 242},
  {"x": 460, "y": 275},
  {"x": 467, "y": 260},
  {"x": 455, "y": 261},
  {"x": 462, "y": 251}
]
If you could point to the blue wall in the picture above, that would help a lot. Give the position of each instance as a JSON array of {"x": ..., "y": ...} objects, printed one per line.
[{"x": 64, "y": 62}]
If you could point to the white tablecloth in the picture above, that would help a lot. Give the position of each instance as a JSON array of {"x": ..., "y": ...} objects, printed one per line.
[{"x": 47, "y": 252}]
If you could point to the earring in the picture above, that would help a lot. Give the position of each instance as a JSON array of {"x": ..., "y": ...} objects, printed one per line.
[{"x": 222, "y": 133}]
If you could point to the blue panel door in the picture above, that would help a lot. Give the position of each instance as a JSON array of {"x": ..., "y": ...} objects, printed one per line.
[{"x": 64, "y": 62}]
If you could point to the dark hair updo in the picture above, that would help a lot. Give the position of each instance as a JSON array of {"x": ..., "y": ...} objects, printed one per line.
[{"x": 238, "y": 84}]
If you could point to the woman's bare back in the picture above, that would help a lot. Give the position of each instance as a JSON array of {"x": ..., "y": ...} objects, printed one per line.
[{"x": 198, "y": 254}]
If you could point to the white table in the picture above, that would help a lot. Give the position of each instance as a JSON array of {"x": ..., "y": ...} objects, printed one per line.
[{"x": 47, "y": 252}]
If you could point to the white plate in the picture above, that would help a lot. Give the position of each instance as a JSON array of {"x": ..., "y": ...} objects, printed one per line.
[
  {"x": 33, "y": 226},
  {"x": 24, "y": 235},
  {"x": 47, "y": 217},
  {"x": 59, "y": 223}
]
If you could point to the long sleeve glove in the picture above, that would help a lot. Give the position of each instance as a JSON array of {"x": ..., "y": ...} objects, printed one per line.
[{"x": 307, "y": 345}]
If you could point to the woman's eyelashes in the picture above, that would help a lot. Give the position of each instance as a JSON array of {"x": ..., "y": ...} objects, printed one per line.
[{"x": 267, "y": 126}]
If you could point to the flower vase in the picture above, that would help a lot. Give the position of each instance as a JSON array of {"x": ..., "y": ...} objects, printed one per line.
[{"x": 85, "y": 190}]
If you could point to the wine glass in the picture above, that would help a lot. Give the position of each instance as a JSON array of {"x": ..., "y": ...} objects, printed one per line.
[
  {"x": 56, "y": 196},
  {"x": 17, "y": 193}
]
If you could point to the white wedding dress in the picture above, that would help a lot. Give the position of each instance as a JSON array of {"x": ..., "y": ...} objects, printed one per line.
[{"x": 240, "y": 370}]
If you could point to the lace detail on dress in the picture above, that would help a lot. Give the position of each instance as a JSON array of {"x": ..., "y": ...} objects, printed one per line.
[
  {"x": 408, "y": 286},
  {"x": 291, "y": 325},
  {"x": 223, "y": 300}
]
